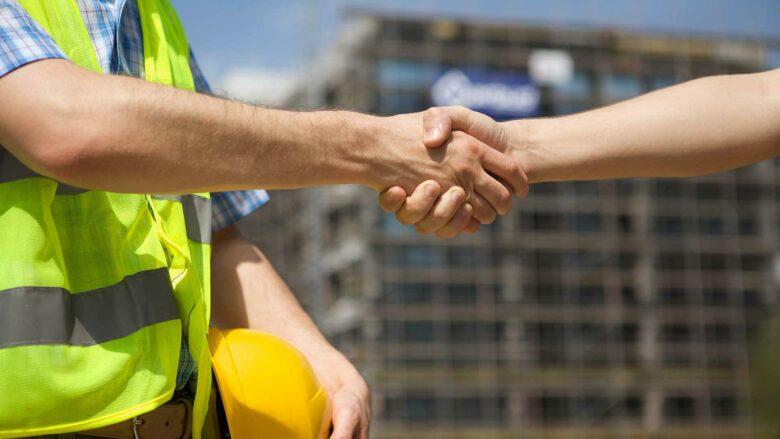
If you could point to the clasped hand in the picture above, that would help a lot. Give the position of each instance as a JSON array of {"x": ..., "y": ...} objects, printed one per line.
[{"x": 486, "y": 174}]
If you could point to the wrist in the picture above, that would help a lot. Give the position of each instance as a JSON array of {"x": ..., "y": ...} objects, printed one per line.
[
  {"x": 526, "y": 141},
  {"x": 360, "y": 152}
]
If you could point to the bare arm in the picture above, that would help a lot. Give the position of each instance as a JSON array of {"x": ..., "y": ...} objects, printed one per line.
[
  {"x": 248, "y": 293},
  {"x": 699, "y": 127},
  {"x": 125, "y": 135}
]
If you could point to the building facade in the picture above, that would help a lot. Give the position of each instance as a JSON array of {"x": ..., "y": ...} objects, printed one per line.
[{"x": 615, "y": 308}]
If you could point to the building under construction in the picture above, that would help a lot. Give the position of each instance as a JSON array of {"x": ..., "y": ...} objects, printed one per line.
[{"x": 615, "y": 308}]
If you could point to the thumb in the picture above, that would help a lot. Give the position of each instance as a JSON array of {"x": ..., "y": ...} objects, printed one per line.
[
  {"x": 437, "y": 127},
  {"x": 439, "y": 123}
]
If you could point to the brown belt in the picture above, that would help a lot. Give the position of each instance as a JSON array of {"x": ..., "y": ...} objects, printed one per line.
[{"x": 173, "y": 420}]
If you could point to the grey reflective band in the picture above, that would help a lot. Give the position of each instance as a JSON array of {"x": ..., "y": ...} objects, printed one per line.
[
  {"x": 53, "y": 316},
  {"x": 66, "y": 189},
  {"x": 197, "y": 215},
  {"x": 12, "y": 169}
]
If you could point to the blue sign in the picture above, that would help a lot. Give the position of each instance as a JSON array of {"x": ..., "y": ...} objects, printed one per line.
[{"x": 499, "y": 95}]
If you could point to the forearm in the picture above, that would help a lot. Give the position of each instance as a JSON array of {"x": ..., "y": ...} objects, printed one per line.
[
  {"x": 248, "y": 293},
  {"x": 123, "y": 134},
  {"x": 703, "y": 126}
]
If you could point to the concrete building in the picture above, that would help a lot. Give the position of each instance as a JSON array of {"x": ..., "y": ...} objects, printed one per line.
[{"x": 615, "y": 308}]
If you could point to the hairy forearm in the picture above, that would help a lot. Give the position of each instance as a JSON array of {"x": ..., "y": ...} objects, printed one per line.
[
  {"x": 126, "y": 135},
  {"x": 703, "y": 126}
]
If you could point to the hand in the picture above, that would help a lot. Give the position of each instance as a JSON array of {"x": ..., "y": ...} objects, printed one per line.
[
  {"x": 463, "y": 161},
  {"x": 349, "y": 396},
  {"x": 424, "y": 208}
]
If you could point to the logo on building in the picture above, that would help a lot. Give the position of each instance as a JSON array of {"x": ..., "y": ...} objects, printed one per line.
[{"x": 500, "y": 95}]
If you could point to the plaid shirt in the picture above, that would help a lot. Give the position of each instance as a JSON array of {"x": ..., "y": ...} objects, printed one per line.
[{"x": 115, "y": 30}]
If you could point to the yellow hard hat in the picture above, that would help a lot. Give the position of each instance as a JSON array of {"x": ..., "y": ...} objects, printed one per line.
[{"x": 268, "y": 388}]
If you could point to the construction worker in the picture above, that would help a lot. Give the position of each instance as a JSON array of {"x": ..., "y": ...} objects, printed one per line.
[{"x": 105, "y": 289}]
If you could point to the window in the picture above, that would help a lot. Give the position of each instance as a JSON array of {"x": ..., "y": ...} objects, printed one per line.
[
  {"x": 711, "y": 226},
  {"x": 724, "y": 407},
  {"x": 713, "y": 261},
  {"x": 541, "y": 221},
  {"x": 679, "y": 408},
  {"x": 676, "y": 333},
  {"x": 402, "y": 292},
  {"x": 399, "y": 101},
  {"x": 671, "y": 261},
  {"x": 408, "y": 331},
  {"x": 752, "y": 262},
  {"x": 404, "y": 73},
  {"x": 576, "y": 89},
  {"x": 616, "y": 87},
  {"x": 414, "y": 256},
  {"x": 717, "y": 333},
  {"x": 555, "y": 408},
  {"x": 715, "y": 297},
  {"x": 411, "y": 408},
  {"x": 672, "y": 296},
  {"x": 588, "y": 295},
  {"x": 628, "y": 295},
  {"x": 462, "y": 293},
  {"x": 709, "y": 191},
  {"x": 629, "y": 332},
  {"x": 669, "y": 225},
  {"x": 669, "y": 189},
  {"x": 585, "y": 222}
]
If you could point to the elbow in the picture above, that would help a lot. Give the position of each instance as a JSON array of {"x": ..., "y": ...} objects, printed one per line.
[{"x": 67, "y": 147}]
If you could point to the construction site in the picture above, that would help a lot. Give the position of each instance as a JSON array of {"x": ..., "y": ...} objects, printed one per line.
[{"x": 611, "y": 309}]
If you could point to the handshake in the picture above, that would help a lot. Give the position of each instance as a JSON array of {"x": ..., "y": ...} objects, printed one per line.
[{"x": 464, "y": 176}]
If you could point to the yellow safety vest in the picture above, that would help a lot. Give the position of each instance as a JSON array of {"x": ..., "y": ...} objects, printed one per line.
[{"x": 98, "y": 288}]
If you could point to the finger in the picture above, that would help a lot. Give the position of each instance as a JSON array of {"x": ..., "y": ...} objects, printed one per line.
[
  {"x": 392, "y": 199},
  {"x": 506, "y": 168},
  {"x": 437, "y": 127},
  {"x": 475, "y": 124},
  {"x": 483, "y": 211},
  {"x": 473, "y": 226},
  {"x": 457, "y": 224},
  {"x": 419, "y": 203},
  {"x": 443, "y": 211},
  {"x": 494, "y": 192},
  {"x": 345, "y": 424}
]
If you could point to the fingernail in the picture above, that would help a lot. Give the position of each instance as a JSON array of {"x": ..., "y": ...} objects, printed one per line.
[
  {"x": 432, "y": 133},
  {"x": 430, "y": 190},
  {"x": 456, "y": 195}
]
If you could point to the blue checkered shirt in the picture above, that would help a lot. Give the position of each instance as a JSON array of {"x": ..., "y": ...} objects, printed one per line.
[{"x": 115, "y": 30}]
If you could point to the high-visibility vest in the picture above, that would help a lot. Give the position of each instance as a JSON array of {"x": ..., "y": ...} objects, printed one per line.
[{"x": 97, "y": 289}]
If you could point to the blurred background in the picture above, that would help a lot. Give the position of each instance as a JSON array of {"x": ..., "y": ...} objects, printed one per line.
[{"x": 631, "y": 308}]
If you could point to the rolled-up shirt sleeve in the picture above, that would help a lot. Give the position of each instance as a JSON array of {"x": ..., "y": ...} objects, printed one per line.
[{"x": 22, "y": 40}]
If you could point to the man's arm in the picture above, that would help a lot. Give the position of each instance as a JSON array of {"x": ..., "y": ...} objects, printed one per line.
[
  {"x": 702, "y": 126},
  {"x": 248, "y": 293},
  {"x": 123, "y": 134},
  {"x": 699, "y": 127}
]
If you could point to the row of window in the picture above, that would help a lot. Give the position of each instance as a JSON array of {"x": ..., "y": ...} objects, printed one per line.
[
  {"x": 555, "y": 409},
  {"x": 593, "y": 222},
  {"x": 547, "y": 334},
  {"x": 422, "y": 256},
  {"x": 555, "y": 294}
]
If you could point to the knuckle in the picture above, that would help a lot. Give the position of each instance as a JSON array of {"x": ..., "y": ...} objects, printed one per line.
[
  {"x": 402, "y": 218},
  {"x": 504, "y": 201},
  {"x": 474, "y": 149}
]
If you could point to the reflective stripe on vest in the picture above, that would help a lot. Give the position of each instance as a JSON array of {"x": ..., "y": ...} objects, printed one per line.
[{"x": 97, "y": 288}]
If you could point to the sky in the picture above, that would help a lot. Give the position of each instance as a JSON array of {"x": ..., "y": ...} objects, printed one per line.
[{"x": 282, "y": 36}]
